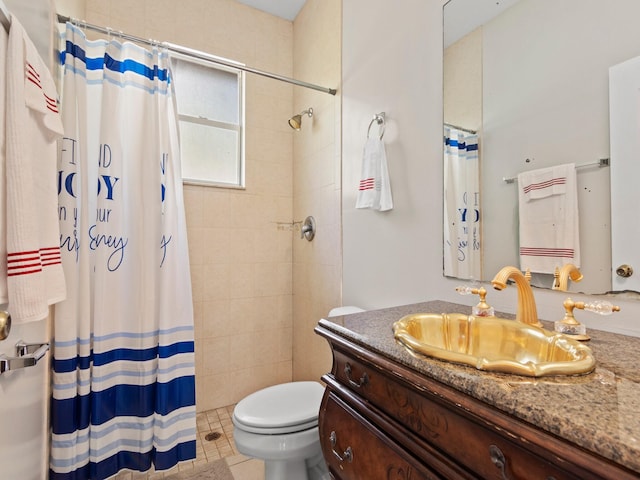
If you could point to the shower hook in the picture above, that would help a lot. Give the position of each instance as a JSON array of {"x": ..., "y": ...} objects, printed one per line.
[{"x": 379, "y": 118}]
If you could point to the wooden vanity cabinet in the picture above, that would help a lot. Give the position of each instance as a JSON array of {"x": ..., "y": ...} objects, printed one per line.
[
  {"x": 382, "y": 420},
  {"x": 357, "y": 449}
]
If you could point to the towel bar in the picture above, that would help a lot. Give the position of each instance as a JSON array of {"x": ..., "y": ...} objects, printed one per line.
[{"x": 603, "y": 162}]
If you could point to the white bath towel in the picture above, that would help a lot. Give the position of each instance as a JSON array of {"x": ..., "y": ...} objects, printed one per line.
[
  {"x": 374, "y": 190},
  {"x": 34, "y": 278},
  {"x": 549, "y": 224}
]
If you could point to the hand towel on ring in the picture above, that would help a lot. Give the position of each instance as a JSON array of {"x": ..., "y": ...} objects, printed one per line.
[{"x": 374, "y": 190}]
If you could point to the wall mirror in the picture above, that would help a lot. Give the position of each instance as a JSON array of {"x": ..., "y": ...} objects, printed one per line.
[{"x": 526, "y": 87}]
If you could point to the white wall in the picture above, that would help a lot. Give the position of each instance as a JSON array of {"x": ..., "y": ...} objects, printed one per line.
[
  {"x": 36, "y": 16},
  {"x": 395, "y": 258},
  {"x": 388, "y": 65}
]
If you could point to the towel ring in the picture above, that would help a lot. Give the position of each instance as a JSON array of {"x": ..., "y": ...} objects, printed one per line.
[{"x": 379, "y": 118}]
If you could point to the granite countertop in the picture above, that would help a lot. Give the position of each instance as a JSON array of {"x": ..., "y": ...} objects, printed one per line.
[{"x": 599, "y": 411}]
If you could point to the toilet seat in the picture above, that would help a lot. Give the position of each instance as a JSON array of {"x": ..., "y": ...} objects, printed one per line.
[{"x": 285, "y": 408}]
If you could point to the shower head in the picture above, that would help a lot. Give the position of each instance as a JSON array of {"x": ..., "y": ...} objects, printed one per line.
[{"x": 295, "y": 122}]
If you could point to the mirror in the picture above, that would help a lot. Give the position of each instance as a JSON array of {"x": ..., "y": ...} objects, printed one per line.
[{"x": 531, "y": 79}]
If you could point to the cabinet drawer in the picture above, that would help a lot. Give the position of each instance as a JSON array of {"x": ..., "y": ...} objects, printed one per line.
[
  {"x": 485, "y": 450},
  {"x": 356, "y": 450}
]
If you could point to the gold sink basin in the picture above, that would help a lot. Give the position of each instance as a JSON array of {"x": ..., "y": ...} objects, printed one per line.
[{"x": 493, "y": 344}]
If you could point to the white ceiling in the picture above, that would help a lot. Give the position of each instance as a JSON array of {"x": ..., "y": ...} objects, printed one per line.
[{"x": 287, "y": 9}]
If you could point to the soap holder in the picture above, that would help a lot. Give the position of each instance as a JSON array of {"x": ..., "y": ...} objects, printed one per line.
[
  {"x": 576, "y": 330},
  {"x": 482, "y": 309}
]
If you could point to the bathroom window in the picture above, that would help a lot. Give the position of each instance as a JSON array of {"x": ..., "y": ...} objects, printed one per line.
[{"x": 210, "y": 105}]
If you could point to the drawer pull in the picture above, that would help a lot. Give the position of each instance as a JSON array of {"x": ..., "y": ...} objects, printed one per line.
[
  {"x": 348, "y": 453},
  {"x": 499, "y": 460},
  {"x": 361, "y": 383}
]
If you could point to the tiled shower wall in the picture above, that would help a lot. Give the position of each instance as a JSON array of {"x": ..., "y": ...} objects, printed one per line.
[
  {"x": 242, "y": 244},
  {"x": 317, "y": 265}
]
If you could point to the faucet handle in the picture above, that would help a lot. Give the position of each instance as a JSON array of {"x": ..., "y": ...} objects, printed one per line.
[
  {"x": 601, "y": 307},
  {"x": 482, "y": 309},
  {"x": 465, "y": 290},
  {"x": 570, "y": 326}
]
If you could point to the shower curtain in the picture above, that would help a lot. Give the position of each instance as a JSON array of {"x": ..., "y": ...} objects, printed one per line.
[
  {"x": 462, "y": 219},
  {"x": 123, "y": 349}
]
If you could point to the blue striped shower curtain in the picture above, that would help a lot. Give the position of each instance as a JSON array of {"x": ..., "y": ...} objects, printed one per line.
[
  {"x": 123, "y": 348},
  {"x": 462, "y": 219}
]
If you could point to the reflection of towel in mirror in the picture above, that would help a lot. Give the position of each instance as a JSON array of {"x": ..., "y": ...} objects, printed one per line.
[
  {"x": 548, "y": 208},
  {"x": 375, "y": 187}
]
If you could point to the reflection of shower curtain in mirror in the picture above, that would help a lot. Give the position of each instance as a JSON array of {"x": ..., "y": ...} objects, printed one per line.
[{"x": 462, "y": 255}]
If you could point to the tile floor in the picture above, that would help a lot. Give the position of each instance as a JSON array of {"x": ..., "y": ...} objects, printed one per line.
[{"x": 211, "y": 422}]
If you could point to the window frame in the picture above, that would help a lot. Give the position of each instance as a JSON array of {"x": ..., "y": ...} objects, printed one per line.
[{"x": 200, "y": 120}]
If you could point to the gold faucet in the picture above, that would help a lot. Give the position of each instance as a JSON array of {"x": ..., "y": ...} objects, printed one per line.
[
  {"x": 568, "y": 270},
  {"x": 526, "y": 312}
]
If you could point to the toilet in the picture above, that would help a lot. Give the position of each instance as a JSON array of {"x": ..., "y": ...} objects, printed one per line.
[{"x": 279, "y": 424}]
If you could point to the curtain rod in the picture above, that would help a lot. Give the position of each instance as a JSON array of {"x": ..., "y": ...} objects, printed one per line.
[
  {"x": 195, "y": 54},
  {"x": 466, "y": 130}
]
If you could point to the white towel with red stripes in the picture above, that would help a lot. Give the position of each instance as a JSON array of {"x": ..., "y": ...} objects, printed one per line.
[
  {"x": 31, "y": 276},
  {"x": 374, "y": 190},
  {"x": 548, "y": 212}
]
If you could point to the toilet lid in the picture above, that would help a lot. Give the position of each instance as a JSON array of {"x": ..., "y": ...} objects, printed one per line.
[{"x": 287, "y": 407}]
